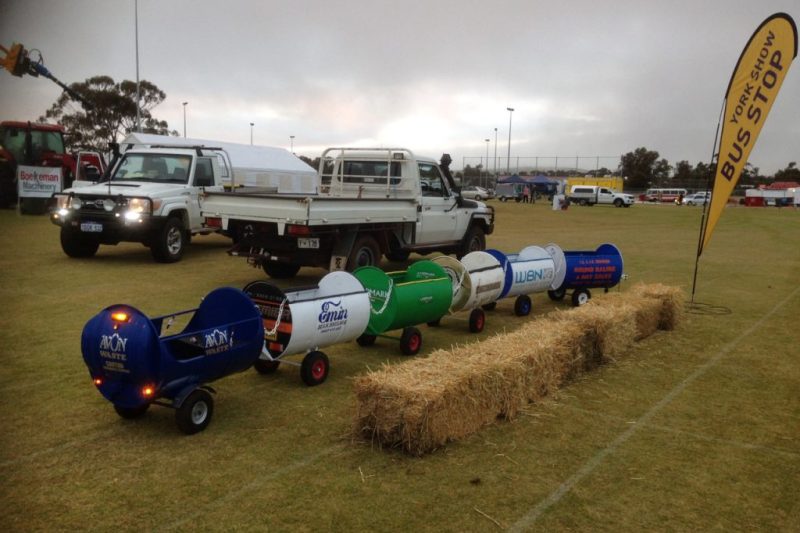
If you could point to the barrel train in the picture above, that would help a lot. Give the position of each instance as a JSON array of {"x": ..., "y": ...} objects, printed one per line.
[{"x": 134, "y": 363}]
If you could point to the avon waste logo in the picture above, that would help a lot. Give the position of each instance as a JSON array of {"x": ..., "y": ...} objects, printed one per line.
[{"x": 113, "y": 347}]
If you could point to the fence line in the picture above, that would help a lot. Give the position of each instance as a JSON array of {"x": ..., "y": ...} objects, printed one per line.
[{"x": 503, "y": 165}]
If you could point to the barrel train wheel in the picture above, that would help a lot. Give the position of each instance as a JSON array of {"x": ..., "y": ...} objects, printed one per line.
[
  {"x": 410, "y": 341},
  {"x": 263, "y": 366},
  {"x": 314, "y": 368},
  {"x": 195, "y": 412},
  {"x": 477, "y": 320},
  {"x": 557, "y": 295},
  {"x": 581, "y": 297},
  {"x": 366, "y": 340},
  {"x": 522, "y": 305}
]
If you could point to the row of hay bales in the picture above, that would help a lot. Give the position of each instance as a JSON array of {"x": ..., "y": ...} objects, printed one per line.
[{"x": 422, "y": 404}]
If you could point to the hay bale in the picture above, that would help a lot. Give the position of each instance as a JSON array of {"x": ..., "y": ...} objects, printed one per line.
[{"x": 424, "y": 403}]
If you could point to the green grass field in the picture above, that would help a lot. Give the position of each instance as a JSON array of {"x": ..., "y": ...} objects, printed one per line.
[{"x": 696, "y": 429}]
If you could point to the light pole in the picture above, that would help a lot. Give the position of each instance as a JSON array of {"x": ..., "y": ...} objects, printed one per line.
[
  {"x": 251, "y": 133},
  {"x": 184, "y": 119},
  {"x": 495, "y": 153},
  {"x": 508, "y": 162},
  {"x": 486, "y": 183},
  {"x": 291, "y": 141}
]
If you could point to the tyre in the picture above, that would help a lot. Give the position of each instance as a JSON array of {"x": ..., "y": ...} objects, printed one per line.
[
  {"x": 195, "y": 412},
  {"x": 583, "y": 202},
  {"x": 263, "y": 366},
  {"x": 522, "y": 305},
  {"x": 314, "y": 369},
  {"x": 410, "y": 341},
  {"x": 76, "y": 244},
  {"x": 489, "y": 307},
  {"x": 397, "y": 255},
  {"x": 618, "y": 202},
  {"x": 170, "y": 242},
  {"x": 365, "y": 252},
  {"x": 474, "y": 242},
  {"x": 580, "y": 297},
  {"x": 366, "y": 340},
  {"x": 477, "y": 320},
  {"x": 557, "y": 295},
  {"x": 478, "y": 198},
  {"x": 131, "y": 412},
  {"x": 503, "y": 199},
  {"x": 278, "y": 270}
]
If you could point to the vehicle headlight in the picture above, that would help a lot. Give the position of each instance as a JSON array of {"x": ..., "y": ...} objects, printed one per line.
[
  {"x": 75, "y": 203},
  {"x": 108, "y": 204},
  {"x": 62, "y": 201},
  {"x": 139, "y": 205}
]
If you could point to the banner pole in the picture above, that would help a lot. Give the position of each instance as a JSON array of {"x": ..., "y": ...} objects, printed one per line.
[{"x": 706, "y": 203}]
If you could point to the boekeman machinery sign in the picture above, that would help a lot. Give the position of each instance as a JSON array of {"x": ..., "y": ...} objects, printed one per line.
[{"x": 38, "y": 182}]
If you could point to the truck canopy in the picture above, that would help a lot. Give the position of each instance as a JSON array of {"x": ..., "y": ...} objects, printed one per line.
[{"x": 258, "y": 166}]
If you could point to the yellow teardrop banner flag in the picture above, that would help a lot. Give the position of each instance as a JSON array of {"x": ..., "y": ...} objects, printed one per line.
[{"x": 752, "y": 90}]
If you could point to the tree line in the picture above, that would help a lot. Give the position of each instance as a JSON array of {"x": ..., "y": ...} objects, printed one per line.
[{"x": 112, "y": 114}]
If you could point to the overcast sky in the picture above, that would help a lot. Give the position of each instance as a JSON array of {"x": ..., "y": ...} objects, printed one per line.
[{"x": 585, "y": 78}]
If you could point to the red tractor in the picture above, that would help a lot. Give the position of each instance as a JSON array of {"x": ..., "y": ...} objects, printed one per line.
[
  {"x": 33, "y": 160},
  {"x": 24, "y": 145}
]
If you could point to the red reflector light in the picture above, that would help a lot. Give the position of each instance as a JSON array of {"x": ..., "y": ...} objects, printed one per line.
[
  {"x": 97, "y": 381},
  {"x": 295, "y": 230},
  {"x": 147, "y": 391},
  {"x": 214, "y": 222}
]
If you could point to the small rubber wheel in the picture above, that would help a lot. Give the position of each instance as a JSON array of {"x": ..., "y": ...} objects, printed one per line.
[
  {"x": 580, "y": 297},
  {"x": 366, "y": 340},
  {"x": 314, "y": 369},
  {"x": 557, "y": 295},
  {"x": 410, "y": 341},
  {"x": 522, "y": 305},
  {"x": 489, "y": 307},
  {"x": 195, "y": 412},
  {"x": 477, "y": 319},
  {"x": 131, "y": 412},
  {"x": 435, "y": 323},
  {"x": 263, "y": 366},
  {"x": 278, "y": 270}
]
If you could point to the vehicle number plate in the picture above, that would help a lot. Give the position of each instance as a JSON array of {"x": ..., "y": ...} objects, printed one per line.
[
  {"x": 308, "y": 243},
  {"x": 91, "y": 227}
]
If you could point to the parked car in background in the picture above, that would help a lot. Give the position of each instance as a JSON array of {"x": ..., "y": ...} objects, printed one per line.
[
  {"x": 697, "y": 198},
  {"x": 473, "y": 192}
]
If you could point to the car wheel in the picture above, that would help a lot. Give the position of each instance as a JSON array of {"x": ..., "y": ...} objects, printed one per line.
[
  {"x": 475, "y": 241},
  {"x": 618, "y": 202},
  {"x": 77, "y": 245},
  {"x": 522, "y": 305},
  {"x": 365, "y": 252},
  {"x": 557, "y": 295},
  {"x": 170, "y": 242}
]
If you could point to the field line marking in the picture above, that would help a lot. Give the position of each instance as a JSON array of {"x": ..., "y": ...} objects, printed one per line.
[
  {"x": 252, "y": 487},
  {"x": 554, "y": 497},
  {"x": 699, "y": 436}
]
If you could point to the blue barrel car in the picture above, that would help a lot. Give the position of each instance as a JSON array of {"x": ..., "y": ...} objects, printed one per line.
[
  {"x": 133, "y": 365},
  {"x": 583, "y": 270}
]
